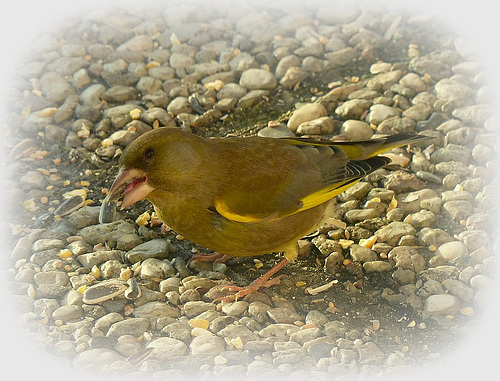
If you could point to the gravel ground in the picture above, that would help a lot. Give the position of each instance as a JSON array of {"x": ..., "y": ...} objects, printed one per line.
[{"x": 396, "y": 281}]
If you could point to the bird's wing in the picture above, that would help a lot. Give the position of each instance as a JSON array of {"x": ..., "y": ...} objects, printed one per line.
[{"x": 300, "y": 175}]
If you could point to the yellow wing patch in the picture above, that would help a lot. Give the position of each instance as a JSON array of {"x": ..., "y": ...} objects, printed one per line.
[
  {"x": 223, "y": 209},
  {"x": 325, "y": 194},
  {"x": 308, "y": 202}
]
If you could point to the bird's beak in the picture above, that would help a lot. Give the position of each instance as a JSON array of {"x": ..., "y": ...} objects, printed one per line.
[{"x": 130, "y": 184}]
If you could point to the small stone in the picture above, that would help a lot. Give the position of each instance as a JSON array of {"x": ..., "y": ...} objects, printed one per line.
[
  {"x": 283, "y": 315},
  {"x": 140, "y": 43},
  {"x": 130, "y": 326},
  {"x": 440, "y": 305},
  {"x": 356, "y": 130},
  {"x": 394, "y": 231},
  {"x": 155, "y": 248},
  {"x": 376, "y": 266},
  {"x": 235, "y": 308},
  {"x": 208, "y": 345},
  {"x": 195, "y": 308},
  {"x": 258, "y": 79},
  {"x": 379, "y": 112},
  {"x": 303, "y": 336},
  {"x": 362, "y": 254},
  {"x": 306, "y": 113},
  {"x": 179, "y": 105},
  {"x": 353, "y": 109},
  {"x": 457, "y": 210},
  {"x": 67, "y": 313},
  {"x": 233, "y": 331},
  {"x": 166, "y": 347},
  {"x": 320, "y": 126},
  {"x": 370, "y": 354},
  {"x": 98, "y": 358},
  {"x": 451, "y": 251}
]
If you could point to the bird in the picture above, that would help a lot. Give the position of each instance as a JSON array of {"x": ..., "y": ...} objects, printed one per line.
[{"x": 244, "y": 196}]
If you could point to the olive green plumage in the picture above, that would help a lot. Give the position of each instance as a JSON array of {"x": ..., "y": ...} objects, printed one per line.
[{"x": 244, "y": 196}]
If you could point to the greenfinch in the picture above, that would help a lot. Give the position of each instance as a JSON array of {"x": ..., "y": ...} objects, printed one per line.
[{"x": 243, "y": 196}]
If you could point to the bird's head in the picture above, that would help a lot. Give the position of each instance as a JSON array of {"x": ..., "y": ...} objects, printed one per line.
[{"x": 153, "y": 161}]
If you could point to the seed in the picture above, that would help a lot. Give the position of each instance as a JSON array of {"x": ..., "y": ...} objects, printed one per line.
[
  {"x": 31, "y": 291},
  {"x": 376, "y": 325},
  {"x": 49, "y": 111},
  {"x": 107, "y": 142},
  {"x": 200, "y": 323},
  {"x": 258, "y": 263},
  {"x": 152, "y": 64},
  {"x": 65, "y": 253},
  {"x": 44, "y": 200},
  {"x": 66, "y": 183},
  {"x": 467, "y": 311},
  {"x": 95, "y": 272},
  {"x": 29, "y": 205},
  {"x": 135, "y": 113},
  {"x": 84, "y": 183},
  {"x": 236, "y": 342},
  {"x": 300, "y": 283},
  {"x": 411, "y": 324},
  {"x": 125, "y": 274},
  {"x": 143, "y": 219},
  {"x": 81, "y": 289}
]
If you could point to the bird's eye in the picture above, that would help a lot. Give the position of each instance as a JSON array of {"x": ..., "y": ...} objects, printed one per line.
[{"x": 149, "y": 153}]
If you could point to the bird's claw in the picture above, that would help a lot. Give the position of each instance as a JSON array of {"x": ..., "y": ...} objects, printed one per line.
[
  {"x": 214, "y": 257},
  {"x": 240, "y": 292}
]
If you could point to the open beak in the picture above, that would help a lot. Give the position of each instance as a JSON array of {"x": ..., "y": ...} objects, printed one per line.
[{"x": 131, "y": 185}]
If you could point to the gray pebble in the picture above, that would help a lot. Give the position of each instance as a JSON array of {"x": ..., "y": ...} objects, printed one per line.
[
  {"x": 67, "y": 313},
  {"x": 376, "y": 266},
  {"x": 210, "y": 345},
  {"x": 306, "y": 113},
  {"x": 440, "y": 305},
  {"x": 258, "y": 79},
  {"x": 320, "y": 126},
  {"x": 233, "y": 331},
  {"x": 129, "y": 326},
  {"x": 55, "y": 87},
  {"x": 379, "y": 112},
  {"x": 370, "y": 354},
  {"x": 156, "y": 248},
  {"x": 165, "y": 347},
  {"x": 195, "y": 308},
  {"x": 98, "y": 358},
  {"x": 356, "y": 130}
]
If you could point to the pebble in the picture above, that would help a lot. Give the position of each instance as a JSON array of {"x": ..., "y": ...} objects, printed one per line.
[
  {"x": 258, "y": 79},
  {"x": 207, "y": 345},
  {"x": 130, "y": 326},
  {"x": 195, "y": 308},
  {"x": 166, "y": 347},
  {"x": 370, "y": 354},
  {"x": 98, "y": 358},
  {"x": 356, "y": 130},
  {"x": 67, "y": 313},
  {"x": 233, "y": 331},
  {"x": 155, "y": 248},
  {"x": 379, "y": 112},
  {"x": 320, "y": 126},
  {"x": 306, "y": 113},
  {"x": 440, "y": 305}
]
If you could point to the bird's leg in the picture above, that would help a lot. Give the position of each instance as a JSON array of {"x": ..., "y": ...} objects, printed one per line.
[
  {"x": 213, "y": 257},
  {"x": 262, "y": 281}
]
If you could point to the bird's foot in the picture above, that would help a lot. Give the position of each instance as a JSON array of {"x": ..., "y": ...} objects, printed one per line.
[
  {"x": 263, "y": 281},
  {"x": 213, "y": 257},
  {"x": 240, "y": 292}
]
